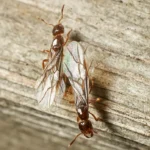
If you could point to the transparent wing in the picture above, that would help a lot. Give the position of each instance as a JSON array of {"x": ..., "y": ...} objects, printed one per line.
[
  {"x": 74, "y": 67},
  {"x": 61, "y": 89},
  {"x": 49, "y": 83}
]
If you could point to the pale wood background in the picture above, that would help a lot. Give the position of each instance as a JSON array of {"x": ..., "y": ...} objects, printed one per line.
[{"x": 117, "y": 34}]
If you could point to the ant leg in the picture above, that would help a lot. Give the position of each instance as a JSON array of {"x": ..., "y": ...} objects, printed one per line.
[
  {"x": 43, "y": 63},
  {"x": 94, "y": 100},
  {"x": 96, "y": 118},
  {"x": 68, "y": 34},
  {"x": 45, "y": 51},
  {"x": 74, "y": 139}
]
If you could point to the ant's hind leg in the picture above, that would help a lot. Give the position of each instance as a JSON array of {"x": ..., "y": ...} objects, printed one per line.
[{"x": 91, "y": 101}]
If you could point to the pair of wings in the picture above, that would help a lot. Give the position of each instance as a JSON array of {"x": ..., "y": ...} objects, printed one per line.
[
  {"x": 70, "y": 62},
  {"x": 74, "y": 66}
]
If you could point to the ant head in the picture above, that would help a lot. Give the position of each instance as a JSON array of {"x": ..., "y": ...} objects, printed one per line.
[
  {"x": 86, "y": 128},
  {"x": 58, "y": 29}
]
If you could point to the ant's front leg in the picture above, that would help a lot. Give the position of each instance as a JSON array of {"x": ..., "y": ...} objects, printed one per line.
[{"x": 68, "y": 35}]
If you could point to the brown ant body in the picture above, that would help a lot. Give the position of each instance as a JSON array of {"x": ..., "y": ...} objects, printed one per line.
[
  {"x": 58, "y": 40},
  {"x": 48, "y": 83},
  {"x": 75, "y": 68}
]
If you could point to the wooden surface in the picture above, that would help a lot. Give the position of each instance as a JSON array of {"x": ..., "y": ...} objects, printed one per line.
[{"x": 117, "y": 34}]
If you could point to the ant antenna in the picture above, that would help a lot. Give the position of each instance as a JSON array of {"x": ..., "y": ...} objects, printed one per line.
[
  {"x": 74, "y": 139},
  {"x": 61, "y": 14},
  {"x": 45, "y": 22}
]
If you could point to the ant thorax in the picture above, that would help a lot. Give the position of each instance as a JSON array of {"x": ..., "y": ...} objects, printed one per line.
[
  {"x": 57, "y": 43},
  {"x": 82, "y": 110}
]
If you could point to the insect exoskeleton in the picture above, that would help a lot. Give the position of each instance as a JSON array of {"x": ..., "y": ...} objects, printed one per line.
[
  {"x": 70, "y": 62},
  {"x": 51, "y": 80},
  {"x": 75, "y": 68}
]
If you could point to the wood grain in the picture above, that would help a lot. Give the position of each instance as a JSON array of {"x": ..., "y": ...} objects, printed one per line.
[{"x": 117, "y": 36}]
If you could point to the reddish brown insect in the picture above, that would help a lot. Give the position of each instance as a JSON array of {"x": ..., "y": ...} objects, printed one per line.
[
  {"x": 51, "y": 79},
  {"x": 74, "y": 66}
]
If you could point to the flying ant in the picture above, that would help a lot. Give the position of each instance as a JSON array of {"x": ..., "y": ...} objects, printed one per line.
[
  {"x": 75, "y": 68},
  {"x": 52, "y": 78}
]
